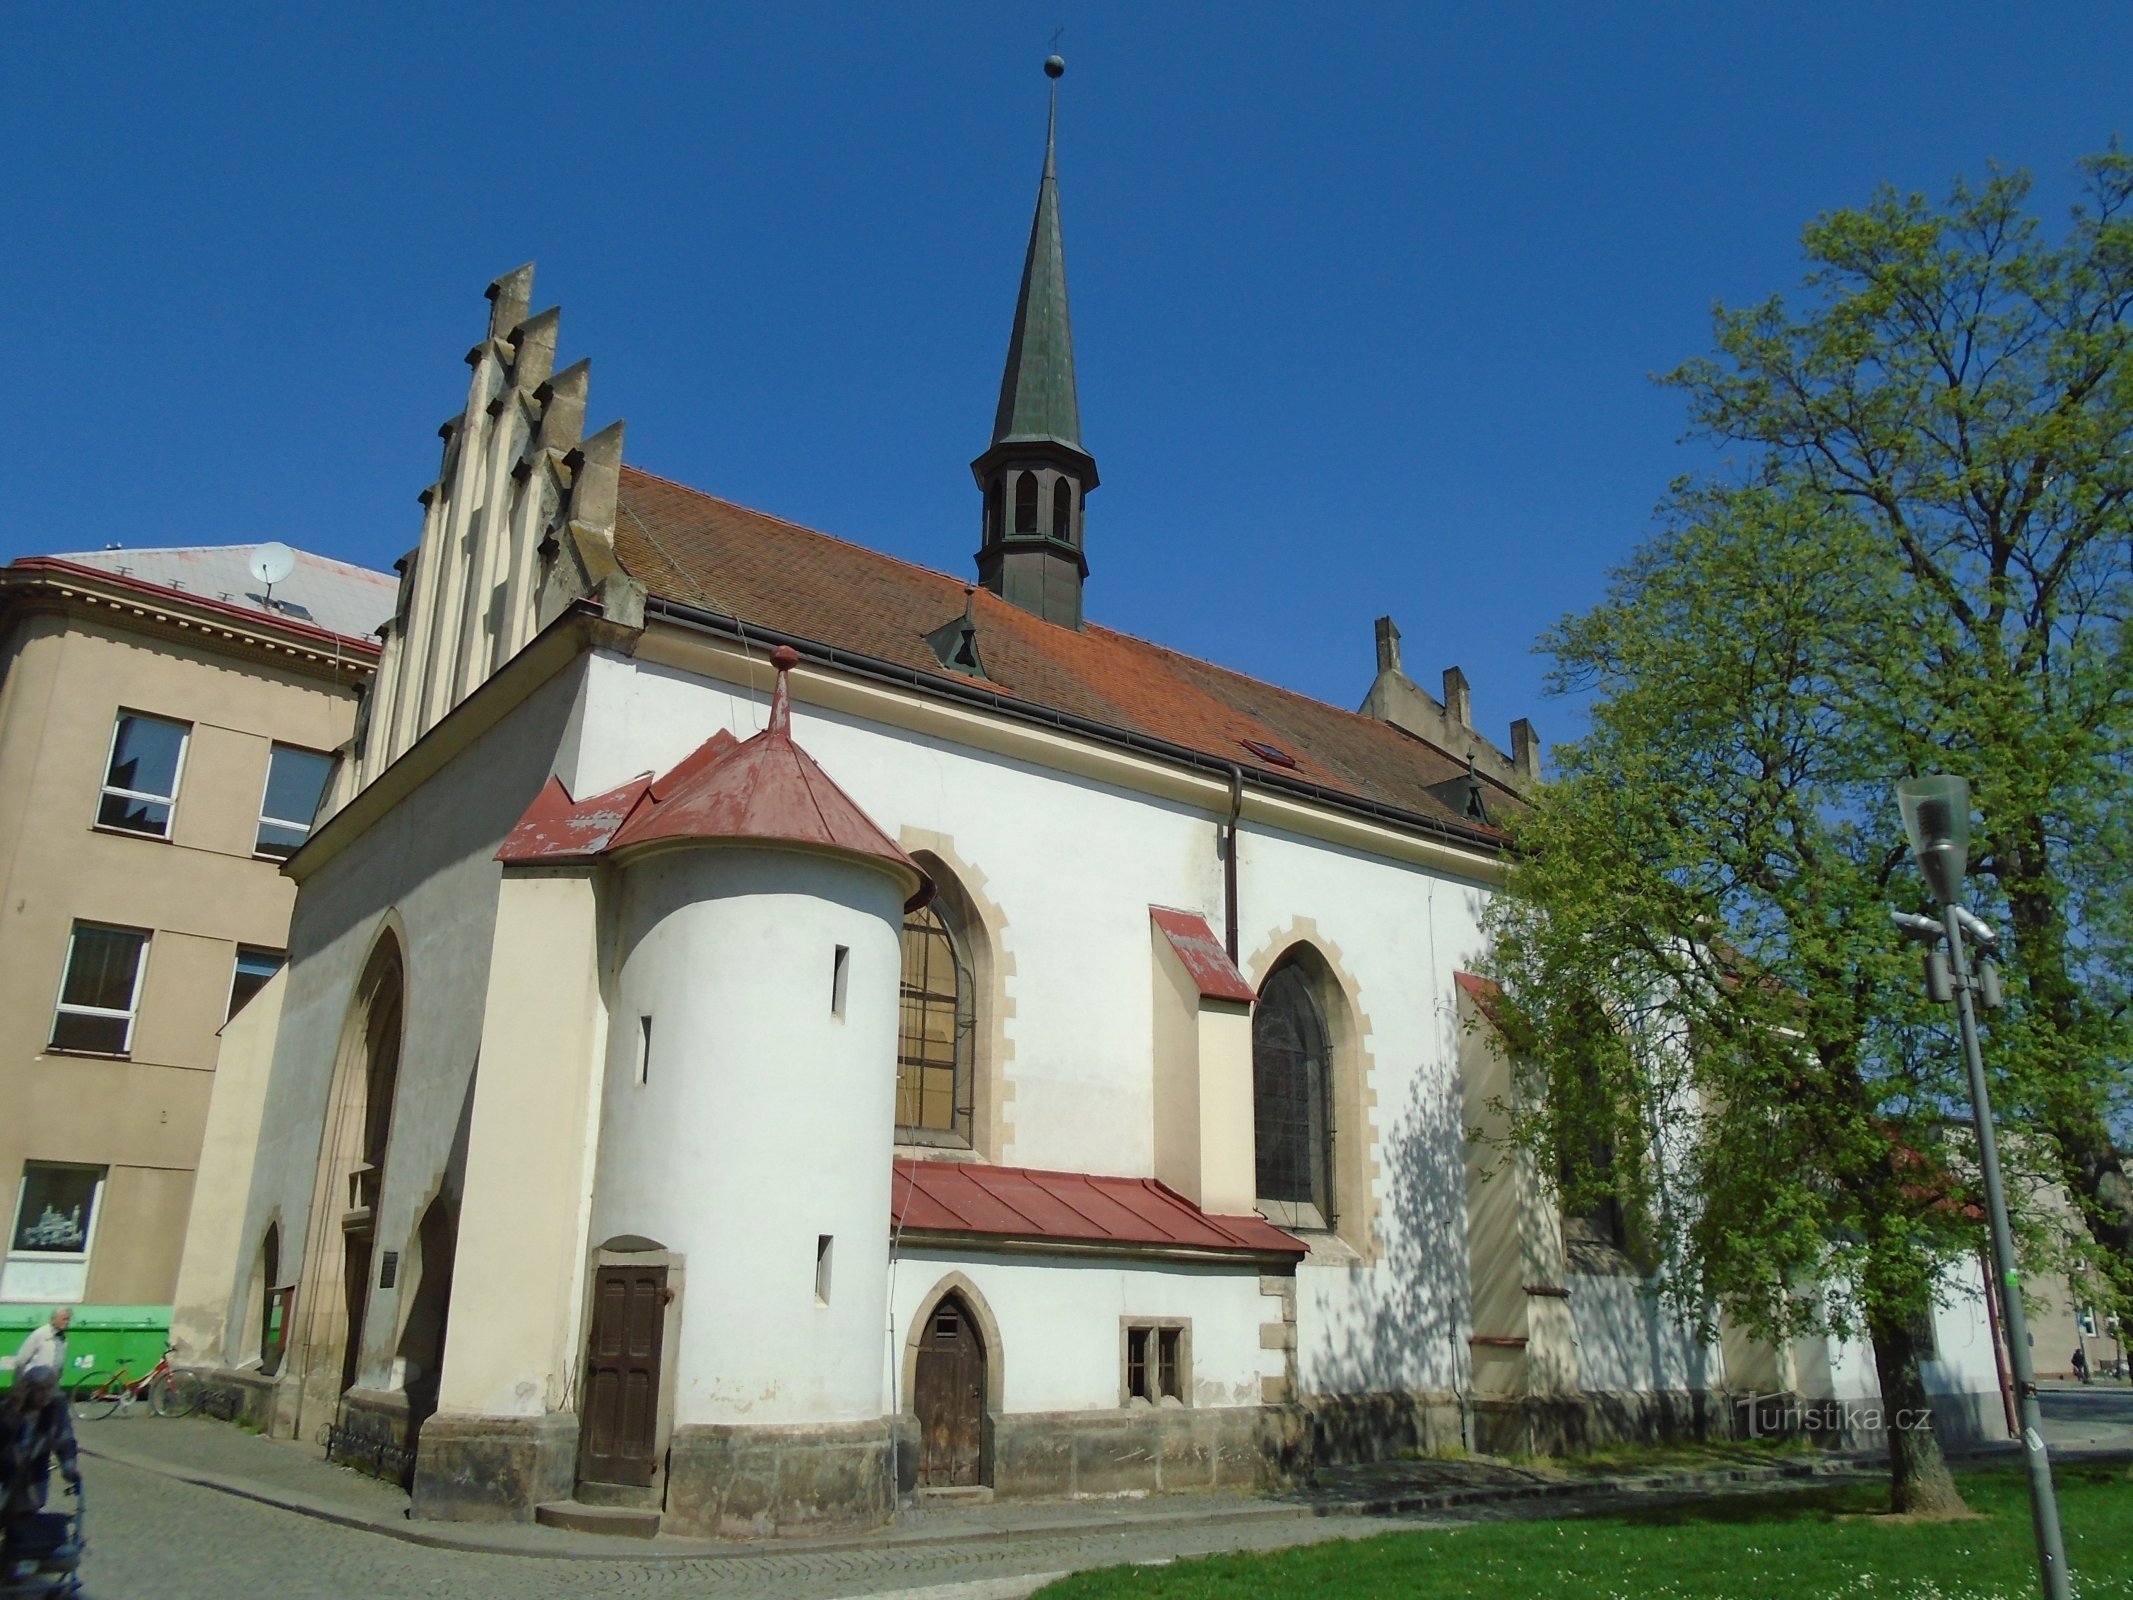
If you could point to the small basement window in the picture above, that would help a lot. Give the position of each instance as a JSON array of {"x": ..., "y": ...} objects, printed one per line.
[{"x": 1157, "y": 1363}]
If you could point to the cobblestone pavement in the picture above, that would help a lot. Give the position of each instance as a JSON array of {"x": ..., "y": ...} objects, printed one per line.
[
  {"x": 152, "y": 1537},
  {"x": 154, "y": 1534}
]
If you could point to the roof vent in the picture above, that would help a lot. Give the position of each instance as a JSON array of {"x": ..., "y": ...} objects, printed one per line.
[
  {"x": 1272, "y": 754},
  {"x": 955, "y": 643}
]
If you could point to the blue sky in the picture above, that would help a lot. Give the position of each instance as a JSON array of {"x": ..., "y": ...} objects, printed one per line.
[{"x": 1366, "y": 299}]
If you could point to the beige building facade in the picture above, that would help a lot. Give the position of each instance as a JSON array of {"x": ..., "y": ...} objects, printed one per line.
[{"x": 166, "y": 737}]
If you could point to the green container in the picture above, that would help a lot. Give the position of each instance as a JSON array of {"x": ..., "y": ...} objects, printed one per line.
[{"x": 100, "y": 1341}]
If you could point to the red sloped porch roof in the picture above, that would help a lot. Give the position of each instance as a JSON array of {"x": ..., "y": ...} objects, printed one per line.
[{"x": 1031, "y": 1207}]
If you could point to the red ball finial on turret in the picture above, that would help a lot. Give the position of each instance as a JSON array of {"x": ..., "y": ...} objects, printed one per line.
[{"x": 784, "y": 658}]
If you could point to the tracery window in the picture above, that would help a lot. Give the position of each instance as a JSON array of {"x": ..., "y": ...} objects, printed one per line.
[
  {"x": 1292, "y": 1107},
  {"x": 933, "y": 1088}
]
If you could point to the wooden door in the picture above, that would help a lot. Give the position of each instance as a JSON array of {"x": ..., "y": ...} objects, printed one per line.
[
  {"x": 619, "y": 1425},
  {"x": 949, "y": 1398}
]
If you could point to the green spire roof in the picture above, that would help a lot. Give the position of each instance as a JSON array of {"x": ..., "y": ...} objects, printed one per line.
[{"x": 1037, "y": 390}]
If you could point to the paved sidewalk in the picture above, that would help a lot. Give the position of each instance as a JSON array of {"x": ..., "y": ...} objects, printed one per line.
[{"x": 295, "y": 1477}]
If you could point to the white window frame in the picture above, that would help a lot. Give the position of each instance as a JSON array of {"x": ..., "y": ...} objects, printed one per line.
[
  {"x": 177, "y": 777},
  {"x": 60, "y": 1007},
  {"x": 267, "y": 785},
  {"x": 16, "y": 1265},
  {"x": 2085, "y": 1320}
]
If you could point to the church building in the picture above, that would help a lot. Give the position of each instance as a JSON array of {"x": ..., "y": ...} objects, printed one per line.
[{"x": 770, "y": 1029}]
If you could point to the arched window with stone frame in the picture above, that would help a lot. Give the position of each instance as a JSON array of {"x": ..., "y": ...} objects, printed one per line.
[
  {"x": 1292, "y": 1098},
  {"x": 936, "y": 1033}
]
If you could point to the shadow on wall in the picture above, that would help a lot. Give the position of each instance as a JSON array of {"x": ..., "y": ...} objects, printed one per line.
[
  {"x": 1391, "y": 1356},
  {"x": 1628, "y": 1342}
]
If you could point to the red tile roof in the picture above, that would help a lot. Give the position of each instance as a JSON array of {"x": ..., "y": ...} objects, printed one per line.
[
  {"x": 1029, "y": 1206},
  {"x": 765, "y": 788},
  {"x": 696, "y": 550},
  {"x": 1205, "y": 960}
]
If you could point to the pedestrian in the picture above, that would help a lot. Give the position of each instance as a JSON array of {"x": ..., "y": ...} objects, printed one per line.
[
  {"x": 2081, "y": 1362},
  {"x": 47, "y": 1344},
  {"x": 34, "y": 1430}
]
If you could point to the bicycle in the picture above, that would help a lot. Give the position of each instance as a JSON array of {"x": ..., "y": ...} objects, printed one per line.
[{"x": 170, "y": 1392}]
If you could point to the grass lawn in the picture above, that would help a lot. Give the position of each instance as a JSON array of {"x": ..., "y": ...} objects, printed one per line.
[{"x": 1804, "y": 1543}]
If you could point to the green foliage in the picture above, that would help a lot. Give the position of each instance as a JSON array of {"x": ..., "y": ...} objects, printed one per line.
[
  {"x": 1925, "y": 562},
  {"x": 1805, "y": 1544}
]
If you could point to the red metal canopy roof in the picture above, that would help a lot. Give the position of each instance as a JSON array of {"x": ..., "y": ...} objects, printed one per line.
[
  {"x": 1205, "y": 960},
  {"x": 1029, "y": 1206}
]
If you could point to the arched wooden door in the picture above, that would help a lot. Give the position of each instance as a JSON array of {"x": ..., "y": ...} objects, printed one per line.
[{"x": 948, "y": 1395}]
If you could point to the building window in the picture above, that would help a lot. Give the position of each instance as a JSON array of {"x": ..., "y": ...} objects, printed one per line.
[
  {"x": 54, "y": 1227},
  {"x": 254, "y": 968},
  {"x": 1292, "y": 1120},
  {"x": 296, "y": 779},
  {"x": 2085, "y": 1319},
  {"x": 100, "y": 990},
  {"x": 1063, "y": 510},
  {"x": 1157, "y": 1363},
  {"x": 1025, "y": 502},
  {"x": 933, "y": 1042},
  {"x": 141, "y": 778}
]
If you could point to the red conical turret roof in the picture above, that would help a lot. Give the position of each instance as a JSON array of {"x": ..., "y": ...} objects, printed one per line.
[{"x": 766, "y": 788}]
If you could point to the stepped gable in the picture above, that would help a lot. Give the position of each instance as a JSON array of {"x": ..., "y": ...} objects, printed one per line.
[
  {"x": 765, "y": 788},
  {"x": 694, "y": 549}
]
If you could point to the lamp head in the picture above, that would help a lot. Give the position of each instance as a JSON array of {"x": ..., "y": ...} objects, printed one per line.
[{"x": 1936, "y": 814}]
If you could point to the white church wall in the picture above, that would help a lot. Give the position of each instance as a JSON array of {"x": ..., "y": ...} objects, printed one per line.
[
  {"x": 1628, "y": 1341},
  {"x": 428, "y": 864},
  {"x": 759, "y": 1120},
  {"x": 1073, "y": 865},
  {"x": 1058, "y": 1320},
  {"x": 1963, "y": 1362}
]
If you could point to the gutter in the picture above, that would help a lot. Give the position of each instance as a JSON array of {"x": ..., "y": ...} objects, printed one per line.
[
  {"x": 950, "y": 1239},
  {"x": 41, "y": 571},
  {"x": 751, "y": 635}
]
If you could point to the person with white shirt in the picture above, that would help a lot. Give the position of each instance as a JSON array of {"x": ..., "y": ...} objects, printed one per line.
[{"x": 47, "y": 1344}]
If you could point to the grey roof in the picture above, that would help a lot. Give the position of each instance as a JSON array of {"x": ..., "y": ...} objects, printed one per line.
[{"x": 344, "y": 599}]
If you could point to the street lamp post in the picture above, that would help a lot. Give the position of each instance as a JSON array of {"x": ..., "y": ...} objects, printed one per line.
[{"x": 1936, "y": 814}]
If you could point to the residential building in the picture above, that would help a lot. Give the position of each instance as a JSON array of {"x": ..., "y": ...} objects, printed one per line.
[{"x": 167, "y": 729}]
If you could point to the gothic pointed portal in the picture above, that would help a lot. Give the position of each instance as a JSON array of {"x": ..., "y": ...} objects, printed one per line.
[{"x": 1035, "y": 475}]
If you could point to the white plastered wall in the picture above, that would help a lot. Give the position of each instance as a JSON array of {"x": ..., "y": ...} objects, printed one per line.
[
  {"x": 1058, "y": 1320},
  {"x": 429, "y": 865},
  {"x": 1074, "y": 864},
  {"x": 760, "y": 1122}
]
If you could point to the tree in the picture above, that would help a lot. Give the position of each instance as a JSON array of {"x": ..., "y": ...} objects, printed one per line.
[
  {"x": 1962, "y": 387},
  {"x": 1920, "y": 562},
  {"x": 1695, "y": 946}
]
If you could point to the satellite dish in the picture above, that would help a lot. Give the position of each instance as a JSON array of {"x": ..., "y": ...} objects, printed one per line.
[{"x": 272, "y": 562}]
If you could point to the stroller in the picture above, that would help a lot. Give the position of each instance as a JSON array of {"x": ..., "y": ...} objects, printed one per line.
[{"x": 41, "y": 1553}]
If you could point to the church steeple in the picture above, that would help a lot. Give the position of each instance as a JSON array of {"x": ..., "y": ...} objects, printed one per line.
[{"x": 1035, "y": 475}]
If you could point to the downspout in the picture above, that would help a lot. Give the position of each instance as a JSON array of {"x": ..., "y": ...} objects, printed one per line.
[{"x": 1229, "y": 860}]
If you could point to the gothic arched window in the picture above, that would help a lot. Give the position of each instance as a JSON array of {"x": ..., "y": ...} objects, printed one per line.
[
  {"x": 1025, "y": 502},
  {"x": 1292, "y": 1104},
  {"x": 1063, "y": 510},
  {"x": 933, "y": 1046}
]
